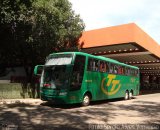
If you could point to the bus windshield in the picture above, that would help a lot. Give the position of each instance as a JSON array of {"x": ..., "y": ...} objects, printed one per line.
[
  {"x": 59, "y": 59},
  {"x": 55, "y": 77}
]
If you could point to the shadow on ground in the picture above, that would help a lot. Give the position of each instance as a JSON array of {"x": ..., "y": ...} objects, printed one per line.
[
  {"x": 39, "y": 117},
  {"x": 46, "y": 116},
  {"x": 72, "y": 106}
]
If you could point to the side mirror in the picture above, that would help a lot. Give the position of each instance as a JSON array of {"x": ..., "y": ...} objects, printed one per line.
[{"x": 38, "y": 70}]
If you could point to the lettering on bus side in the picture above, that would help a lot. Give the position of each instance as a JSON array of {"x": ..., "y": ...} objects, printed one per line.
[{"x": 111, "y": 83}]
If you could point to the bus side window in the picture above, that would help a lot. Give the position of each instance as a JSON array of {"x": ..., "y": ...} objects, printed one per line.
[
  {"x": 111, "y": 68},
  {"x": 123, "y": 70},
  {"x": 107, "y": 67},
  {"x": 95, "y": 65},
  {"x": 119, "y": 70},
  {"x": 90, "y": 64},
  {"x": 128, "y": 71},
  {"x": 136, "y": 72},
  {"x": 116, "y": 69},
  {"x": 132, "y": 72},
  {"x": 103, "y": 66}
]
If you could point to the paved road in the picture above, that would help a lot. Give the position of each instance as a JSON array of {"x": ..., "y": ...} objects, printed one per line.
[{"x": 35, "y": 114}]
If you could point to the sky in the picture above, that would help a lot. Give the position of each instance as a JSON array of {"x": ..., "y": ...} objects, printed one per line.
[{"x": 105, "y": 13}]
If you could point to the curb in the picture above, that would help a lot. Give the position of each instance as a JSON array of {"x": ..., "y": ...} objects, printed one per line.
[{"x": 20, "y": 101}]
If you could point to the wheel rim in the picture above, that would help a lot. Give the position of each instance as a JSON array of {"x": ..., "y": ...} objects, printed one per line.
[
  {"x": 126, "y": 95},
  {"x": 86, "y": 100},
  {"x": 130, "y": 95}
]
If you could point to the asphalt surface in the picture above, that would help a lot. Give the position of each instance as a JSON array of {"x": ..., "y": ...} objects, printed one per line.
[{"x": 142, "y": 112}]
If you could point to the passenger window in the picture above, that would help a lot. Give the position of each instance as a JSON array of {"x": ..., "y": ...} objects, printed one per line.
[
  {"x": 120, "y": 70},
  {"x": 127, "y": 71},
  {"x": 123, "y": 70},
  {"x": 90, "y": 64},
  {"x": 96, "y": 65},
  {"x": 107, "y": 67},
  {"x": 116, "y": 69},
  {"x": 103, "y": 66},
  {"x": 136, "y": 72},
  {"x": 93, "y": 65},
  {"x": 132, "y": 72},
  {"x": 111, "y": 68}
]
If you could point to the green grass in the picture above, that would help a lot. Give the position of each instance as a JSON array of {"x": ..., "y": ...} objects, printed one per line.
[{"x": 16, "y": 90}]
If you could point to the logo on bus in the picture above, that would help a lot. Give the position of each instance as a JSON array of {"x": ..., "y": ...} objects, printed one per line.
[{"x": 110, "y": 85}]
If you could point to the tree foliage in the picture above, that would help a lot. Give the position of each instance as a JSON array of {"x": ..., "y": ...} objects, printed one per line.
[{"x": 31, "y": 29}]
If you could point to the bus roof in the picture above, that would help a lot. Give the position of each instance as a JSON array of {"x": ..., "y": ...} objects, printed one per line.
[{"x": 98, "y": 57}]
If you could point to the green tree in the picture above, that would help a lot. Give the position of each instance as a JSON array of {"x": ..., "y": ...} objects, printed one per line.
[{"x": 31, "y": 29}]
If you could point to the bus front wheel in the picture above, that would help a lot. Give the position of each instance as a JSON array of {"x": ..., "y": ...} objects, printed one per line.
[{"x": 86, "y": 100}]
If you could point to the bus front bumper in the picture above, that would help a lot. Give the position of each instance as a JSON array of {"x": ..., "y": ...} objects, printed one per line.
[{"x": 54, "y": 99}]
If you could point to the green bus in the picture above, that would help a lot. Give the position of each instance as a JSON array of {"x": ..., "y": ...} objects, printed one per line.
[{"x": 77, "y": 77}]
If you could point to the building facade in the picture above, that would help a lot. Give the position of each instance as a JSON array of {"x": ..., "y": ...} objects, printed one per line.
[{"x": 128, "y": 44}]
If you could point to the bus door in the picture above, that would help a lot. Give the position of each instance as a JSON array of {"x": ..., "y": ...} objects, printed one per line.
[{"x": 78, "y": 72}]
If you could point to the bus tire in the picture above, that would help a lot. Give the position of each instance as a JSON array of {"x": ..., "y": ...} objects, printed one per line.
[
  {"x": 130, "y": 95},
  {"x": 86, "y": 100},
  {"x": 126, "y": 97}
]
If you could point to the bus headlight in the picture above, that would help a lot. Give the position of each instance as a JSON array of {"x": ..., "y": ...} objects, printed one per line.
[{"x": 63, "y": 93}]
